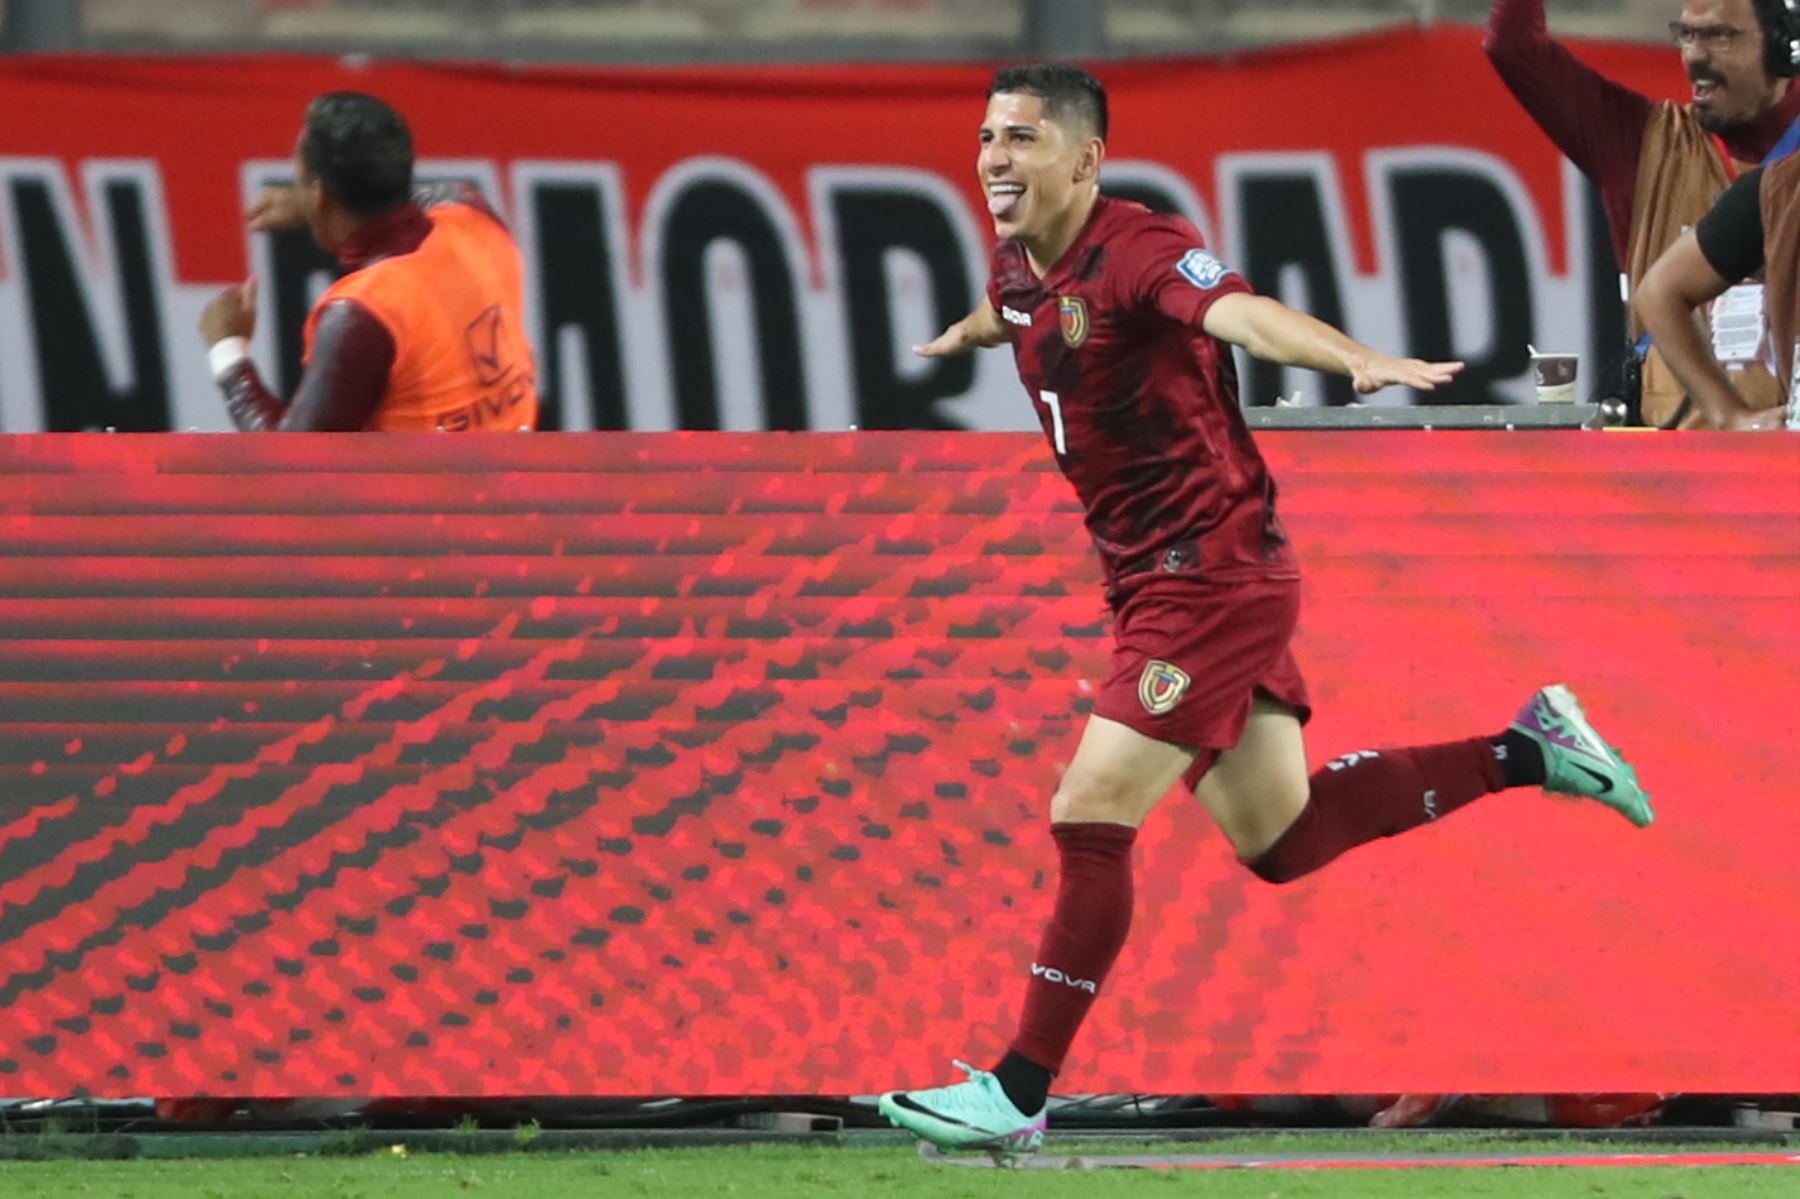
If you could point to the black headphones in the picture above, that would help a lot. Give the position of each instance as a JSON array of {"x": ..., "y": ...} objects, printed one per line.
[{"x": 1781, "y": 36}]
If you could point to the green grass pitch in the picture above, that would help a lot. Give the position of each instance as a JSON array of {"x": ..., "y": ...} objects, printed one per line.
[{"x": 889, "y": 1171}]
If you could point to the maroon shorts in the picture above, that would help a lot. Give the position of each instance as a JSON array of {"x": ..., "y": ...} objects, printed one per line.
[{"x": 1188, "y": 656}]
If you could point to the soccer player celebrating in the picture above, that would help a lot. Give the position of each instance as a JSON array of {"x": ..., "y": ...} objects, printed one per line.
[{"x": 1121, "y": 325}]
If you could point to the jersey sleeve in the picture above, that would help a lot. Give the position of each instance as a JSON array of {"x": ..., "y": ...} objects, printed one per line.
[
  {"x": 1167, "y": 268},
  {"x": 1731, "y": 233}
]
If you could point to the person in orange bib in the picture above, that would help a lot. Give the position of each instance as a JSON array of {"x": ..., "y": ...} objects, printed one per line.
[{"x": 426, "y": 330}]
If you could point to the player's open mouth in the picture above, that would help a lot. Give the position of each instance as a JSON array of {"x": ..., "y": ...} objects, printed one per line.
[
  {"x": 1004, "y": 197},
  {"x": 1704, "y": 90}
]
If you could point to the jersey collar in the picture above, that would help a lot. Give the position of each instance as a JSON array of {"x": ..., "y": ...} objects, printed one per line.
[
  {"x": 1076, "y": 256},
  {"x": 398, "y": 232}
]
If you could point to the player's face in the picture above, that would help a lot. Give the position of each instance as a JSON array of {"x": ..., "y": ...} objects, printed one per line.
[
  {"x": 312, "y": 199},
  {"x": 1028, "y": 166},
  {"x": 1724, "y": 56}
]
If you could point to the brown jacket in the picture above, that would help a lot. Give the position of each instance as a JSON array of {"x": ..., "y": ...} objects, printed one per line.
[
  {"x": 1681, "y": 171},
  {"x": 1780, "y": 200}
]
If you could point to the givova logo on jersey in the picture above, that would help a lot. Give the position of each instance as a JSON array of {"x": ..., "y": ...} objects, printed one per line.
[{"x": 1161, "y": 687}]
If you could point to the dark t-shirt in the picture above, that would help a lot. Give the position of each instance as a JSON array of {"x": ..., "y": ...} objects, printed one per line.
[
  {"x": 1139, "y": 403},
  {"x": 1731, "y": 233}
]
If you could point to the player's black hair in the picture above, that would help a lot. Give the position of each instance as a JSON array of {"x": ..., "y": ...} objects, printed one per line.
[
  {"x": 361, "y": 150},
  {"x": 1067, "y": 92}
]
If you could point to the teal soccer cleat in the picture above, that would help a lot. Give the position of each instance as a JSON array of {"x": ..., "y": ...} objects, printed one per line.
[
  {"x": 1577, "y": 760},
  {"x": 969, "y": 1115}
]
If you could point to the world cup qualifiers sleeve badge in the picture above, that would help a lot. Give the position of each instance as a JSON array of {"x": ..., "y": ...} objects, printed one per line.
[
  {"x": 1202, "y": 269},
  {"x": 1161, "y": 687}
]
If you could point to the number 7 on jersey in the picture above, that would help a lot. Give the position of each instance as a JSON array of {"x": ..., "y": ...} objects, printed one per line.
[{"x": 1053, "y": 402}]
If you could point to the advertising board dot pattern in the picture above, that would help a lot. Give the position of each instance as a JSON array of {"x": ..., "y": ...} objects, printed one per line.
[{"x": 720, "y": 764}]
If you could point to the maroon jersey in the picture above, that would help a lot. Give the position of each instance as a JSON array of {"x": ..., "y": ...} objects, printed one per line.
[{"x": 1139, "y": 403}]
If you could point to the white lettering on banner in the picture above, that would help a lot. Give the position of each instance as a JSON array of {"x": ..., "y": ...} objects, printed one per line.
[
  {"x": 1364, "y": 304},
  {"x": 731, "y": 340},
  {"x": 569, "y": 220},
  {"x": 893, "y": 244},
  {"x": 722, "y": 305},
  {"x": 1051, "y": 974},
  {"x": 1134, "y": 177},
  {"x": 86, "y": 303},
  {"x": 1461, "y": 268},
  {"x": 1475, "y": 273}
]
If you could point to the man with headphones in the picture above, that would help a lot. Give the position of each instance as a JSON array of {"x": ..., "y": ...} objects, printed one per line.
[{"x": 1659, "y": 166}]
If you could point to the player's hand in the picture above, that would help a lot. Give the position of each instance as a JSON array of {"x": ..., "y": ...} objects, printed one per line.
[
  {"x": 1765, "y": 421},
  {"x": 951, "y": 342},
  {"x": 232, "y": 313},
  {"x": 980, "y": 330},
  {"x": 1377, "y": 371},
  {"x": 276, "y": 208}
]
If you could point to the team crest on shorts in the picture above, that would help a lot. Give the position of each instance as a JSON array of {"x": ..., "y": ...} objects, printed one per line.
[
  {"x": 1161, "y": 687},
  {"x": 1074, "y": 314}
]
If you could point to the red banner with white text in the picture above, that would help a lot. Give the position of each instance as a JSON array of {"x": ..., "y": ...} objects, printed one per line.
[
  {"x": 756, "y": 248},
  {"x": 720, "y": 764}
]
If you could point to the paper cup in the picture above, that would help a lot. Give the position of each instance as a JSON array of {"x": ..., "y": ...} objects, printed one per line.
[{"x": 1554, "y": 375}]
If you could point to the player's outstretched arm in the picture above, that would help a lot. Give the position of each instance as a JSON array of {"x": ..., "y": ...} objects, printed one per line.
[
  {"x": 978, "y": 330},
  {"x": 1274, "y": 332}
]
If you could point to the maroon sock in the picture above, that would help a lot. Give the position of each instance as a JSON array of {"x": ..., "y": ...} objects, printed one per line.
[
  {"x": 1093, "y": 914},
  {"x": 1370, "y": 794}
]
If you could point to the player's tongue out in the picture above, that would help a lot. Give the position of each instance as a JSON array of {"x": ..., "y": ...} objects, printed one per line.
[{"x": 1004, "y": 198}]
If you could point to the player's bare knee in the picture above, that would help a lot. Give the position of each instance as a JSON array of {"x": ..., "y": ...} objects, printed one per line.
[
  {"x": 1261, "y": 849},
  {"x": 1092, "y": 799},
  {"x": 1254, "y": 815}
]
